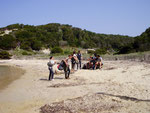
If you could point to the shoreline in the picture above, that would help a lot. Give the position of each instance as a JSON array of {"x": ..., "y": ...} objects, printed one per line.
[
  {"x": 32, "y": 90},
  {"x": 12, "y": 73}
]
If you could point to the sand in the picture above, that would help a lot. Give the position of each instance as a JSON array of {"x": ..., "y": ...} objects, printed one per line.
[{"x": 120, "y": 86}]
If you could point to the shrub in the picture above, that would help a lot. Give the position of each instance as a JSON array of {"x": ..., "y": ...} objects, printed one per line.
[
  {"x": 126, "y": 50},
  {"x": 26, "y": 53},
  {"x": 25, "y": 46},
  {"x": 56, "y": 50},
  {"x": 4, "y": 55},
  {"x": 90, "y": 51},
  {"x": 67, "y": 52},
  {"x": 101, "y": 51}
]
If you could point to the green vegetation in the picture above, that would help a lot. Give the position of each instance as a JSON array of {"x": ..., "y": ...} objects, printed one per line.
[
  {"x": 68, "y": 52},
  {"x": 20, "y": 52},
  {"x": 97, "y": 51},
  {"x": 56, "y": 35},
  {"x": 26, "y": 53},
  {"x": 138, "y": 56},
  {"x": 141, "y": 43},
  {"x": 7, "y": 42},
  {"x": 4, "y": 55},
  {"x": 51, "y": 35},
  {"x": 56, "y": 50},
  {"x": 101, "y": 51}
]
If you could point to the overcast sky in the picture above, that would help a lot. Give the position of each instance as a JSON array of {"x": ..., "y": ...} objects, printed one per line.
[{"x": 124, "y": 17}]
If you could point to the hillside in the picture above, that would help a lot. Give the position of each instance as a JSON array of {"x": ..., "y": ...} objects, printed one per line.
[
  {"x": 141, "y": 43},
  {"x": 30, "y": 37}
]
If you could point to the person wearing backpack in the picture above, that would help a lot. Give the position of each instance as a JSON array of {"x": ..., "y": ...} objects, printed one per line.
[
  {"x": 65, "y": 65},
  {"x": 50, "y": 67},
  {"x": 73, "y": 60}
]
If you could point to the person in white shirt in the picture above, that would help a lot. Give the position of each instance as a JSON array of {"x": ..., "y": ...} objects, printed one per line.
[
  {"x": 50, "y": 67},
  {"x": 68, "y": 61},
  {"x": 73, "y": 60},
  {"x": 101, "y": 63}
]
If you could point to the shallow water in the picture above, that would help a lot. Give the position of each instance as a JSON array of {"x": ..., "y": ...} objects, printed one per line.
[{"x": 8, "y": 74}]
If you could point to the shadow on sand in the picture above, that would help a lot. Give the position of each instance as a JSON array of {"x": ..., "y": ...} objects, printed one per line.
[{"x": 46, "y": 79}]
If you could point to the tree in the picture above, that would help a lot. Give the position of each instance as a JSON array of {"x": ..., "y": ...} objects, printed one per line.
[
  {"x": 7, "y": 42},
  {"x": 36, "y": 45},
  {"x": 54, "y": 34}
]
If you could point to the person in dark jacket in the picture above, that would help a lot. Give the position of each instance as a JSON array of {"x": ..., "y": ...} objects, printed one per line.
[
  {"x": 66, "y": 66},
  {"x": 79, "y": 56}
]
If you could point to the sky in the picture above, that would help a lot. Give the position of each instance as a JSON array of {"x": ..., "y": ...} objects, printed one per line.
[{"x": 124, "y": 17}]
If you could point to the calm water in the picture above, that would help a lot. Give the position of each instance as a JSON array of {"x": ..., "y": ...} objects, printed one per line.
[{"x": 8, "y": 74}]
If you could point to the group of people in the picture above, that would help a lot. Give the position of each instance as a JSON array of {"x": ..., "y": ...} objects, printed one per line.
[
  {"x": 72, "y": 61},
  {"x": 94, "y": 62}
]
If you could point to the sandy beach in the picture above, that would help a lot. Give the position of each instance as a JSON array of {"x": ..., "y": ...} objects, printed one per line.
[{"x": 120, "y": 86}]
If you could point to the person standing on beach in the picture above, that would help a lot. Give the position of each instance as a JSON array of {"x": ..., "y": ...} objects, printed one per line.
[
  {"x": 68, "y": 61},
  {"x": 101, "y": 62},
  {"x": 50, "y": 67},
  {"x": 66, "y": 66},
  {"x": 73, "y": 60},
  {"x": 79, "y": 59}
]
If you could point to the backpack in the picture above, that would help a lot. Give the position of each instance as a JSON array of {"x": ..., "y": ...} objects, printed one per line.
[
  {"x": 49, "y": 64},
  {"x": 73, "y": 60},
  {"x": 60, "y": 67}
]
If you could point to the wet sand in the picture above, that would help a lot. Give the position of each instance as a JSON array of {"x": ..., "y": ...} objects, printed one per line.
[
  {"x": 8, "y": 74},
  {"x": 120, "y": 86}
]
